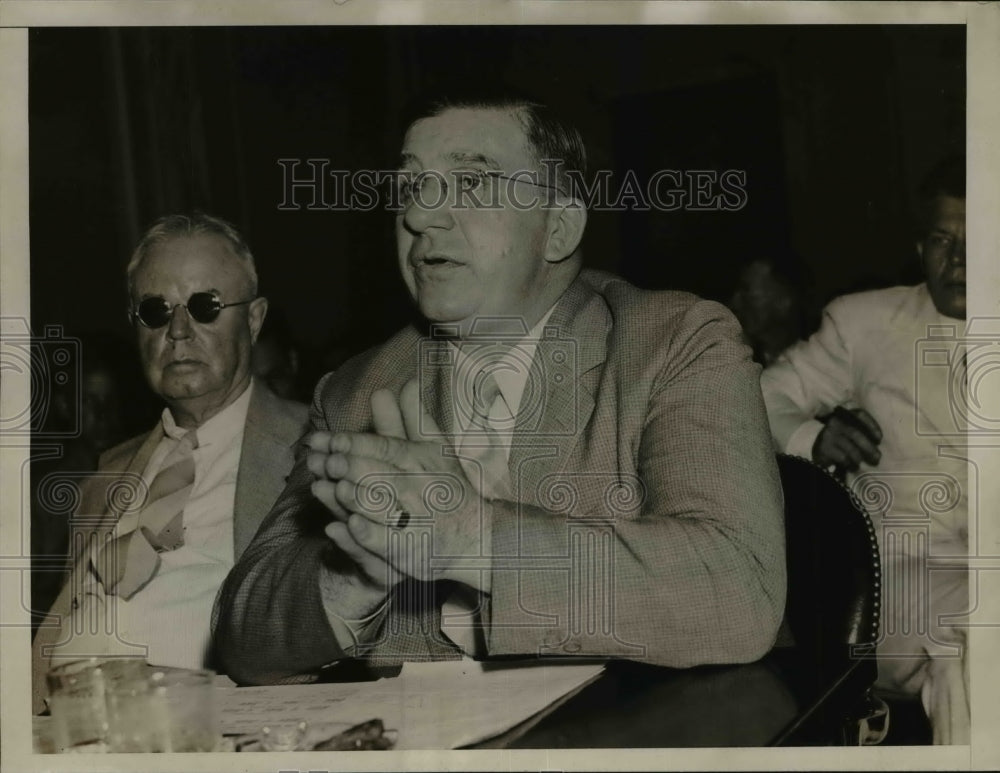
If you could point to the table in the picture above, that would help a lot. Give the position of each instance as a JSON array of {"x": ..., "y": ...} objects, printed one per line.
[{"x": 777, "y": 700}]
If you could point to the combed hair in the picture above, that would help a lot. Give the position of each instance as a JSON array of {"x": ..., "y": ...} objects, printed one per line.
[
  {"x": 550, "y": 137},
  {"x": 195, "y": 224}
]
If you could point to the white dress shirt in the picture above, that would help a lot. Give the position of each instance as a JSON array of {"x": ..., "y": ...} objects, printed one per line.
[{"x": 169, "y": 618}]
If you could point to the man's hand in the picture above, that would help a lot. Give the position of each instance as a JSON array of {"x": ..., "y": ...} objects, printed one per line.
[
  {"x": 849, "y": 438},
  {"x": 367, "y": 480}
]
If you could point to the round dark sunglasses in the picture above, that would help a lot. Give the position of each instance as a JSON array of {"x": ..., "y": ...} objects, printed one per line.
[{"x": 203, "y": 307}]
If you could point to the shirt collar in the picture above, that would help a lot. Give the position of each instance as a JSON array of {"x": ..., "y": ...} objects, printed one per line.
[
  {"x": 512, "y": 380},
  {"x": 221, "y": 428}
]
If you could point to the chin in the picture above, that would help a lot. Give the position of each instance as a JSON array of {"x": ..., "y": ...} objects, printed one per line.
[
  {"x": 444, "y": 312},
  {"x": 953, "y": 310},
  {"x": 182, "y": 390}
]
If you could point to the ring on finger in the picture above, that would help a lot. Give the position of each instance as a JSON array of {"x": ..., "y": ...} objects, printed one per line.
[{"x": 398, "y": 518}]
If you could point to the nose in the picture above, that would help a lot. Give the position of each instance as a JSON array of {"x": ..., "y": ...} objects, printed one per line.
[
  {"x": 180, "y": 323},
  {"x": 430, "y": 209},
  {"x": 957, "y": 254}
]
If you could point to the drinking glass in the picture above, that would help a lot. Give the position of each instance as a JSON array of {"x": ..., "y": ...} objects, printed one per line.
[{"x": 77, "y": 700}]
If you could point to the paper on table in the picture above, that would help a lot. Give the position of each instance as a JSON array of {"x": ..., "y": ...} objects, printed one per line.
[{"x": 441, "y": 705}]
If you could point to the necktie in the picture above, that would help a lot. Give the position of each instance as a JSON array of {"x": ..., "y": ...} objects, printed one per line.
[
  {"x": 131, "y": 560},
  {"x": 484, "y": 460},
  {"x": 481, "y": 453}
]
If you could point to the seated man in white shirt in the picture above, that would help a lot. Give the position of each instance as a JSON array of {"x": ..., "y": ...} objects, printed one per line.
[
  {"x": 162, "y": 521},
  {"x": 890, "y": 418}
]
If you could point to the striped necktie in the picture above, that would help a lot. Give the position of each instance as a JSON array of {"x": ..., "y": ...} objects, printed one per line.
[{"x": 131, "y": 560}]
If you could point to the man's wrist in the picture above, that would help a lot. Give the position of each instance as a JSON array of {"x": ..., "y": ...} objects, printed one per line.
[
  {"x": 351, "y": 623},
  {"x": 802, "y": 440}
]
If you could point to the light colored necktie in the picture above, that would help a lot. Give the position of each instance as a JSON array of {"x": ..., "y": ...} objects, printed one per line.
[
  {"x": 481, "y": 452},
  {"x": 484, "y": 460},
  {"x": 131, "y": 560}
]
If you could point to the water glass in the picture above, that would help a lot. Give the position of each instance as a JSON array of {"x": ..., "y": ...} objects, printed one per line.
[
  {"x": 182, "y": 710},
  {"x": 77, "y": 700}
]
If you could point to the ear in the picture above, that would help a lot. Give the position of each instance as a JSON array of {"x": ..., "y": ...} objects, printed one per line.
[
  {"x": 566, "y": 224},
  {"x": 258, "y": 310}
]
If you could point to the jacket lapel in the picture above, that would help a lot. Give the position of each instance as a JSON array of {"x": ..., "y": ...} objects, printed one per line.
[
  {"x": 265, "y": 447},
  {"x": 437, "y": 390},
  {"x": 115, "y": 489},
  {"x": 565, "y": 371},
  {"x": 101, "y": 505}
]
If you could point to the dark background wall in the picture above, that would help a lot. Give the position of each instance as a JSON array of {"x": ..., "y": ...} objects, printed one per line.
[{"x": 833, "y": 125}]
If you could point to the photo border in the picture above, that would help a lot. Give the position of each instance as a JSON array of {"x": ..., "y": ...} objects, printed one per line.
[{"x": 983, "y": 123}]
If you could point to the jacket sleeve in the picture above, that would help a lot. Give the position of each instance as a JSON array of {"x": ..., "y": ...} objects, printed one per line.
[
  {"x": 810, "y": 379},
  {"x": 269, "y": 619},
  {"x": 694, "y": 575}
]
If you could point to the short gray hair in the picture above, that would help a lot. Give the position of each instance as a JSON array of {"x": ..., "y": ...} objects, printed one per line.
[{"x": 174, "y": 226}]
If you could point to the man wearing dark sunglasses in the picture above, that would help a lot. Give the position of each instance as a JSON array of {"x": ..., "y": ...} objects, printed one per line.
[{"x": 197, "y": 486}]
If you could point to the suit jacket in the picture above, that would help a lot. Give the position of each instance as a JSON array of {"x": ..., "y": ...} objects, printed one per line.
[
  {"x": 649, "y": 516},
  {"x": 873, "y": 351},
  {"x": 273, "y": 426}
]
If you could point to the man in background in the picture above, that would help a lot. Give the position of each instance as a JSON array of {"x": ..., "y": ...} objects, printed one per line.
[
  {"x": 162, "y": 521},
  {"x": 886, "y": 412}
]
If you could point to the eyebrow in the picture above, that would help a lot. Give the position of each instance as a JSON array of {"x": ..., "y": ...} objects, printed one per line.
[
  {"x": 474, "y": 159},
  {"x": 460, "y": 157}
]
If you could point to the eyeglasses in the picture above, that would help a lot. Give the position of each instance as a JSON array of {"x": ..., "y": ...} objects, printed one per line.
[
  {"x": 470, "y": 187},
  {"x": 155, "y": 312}
]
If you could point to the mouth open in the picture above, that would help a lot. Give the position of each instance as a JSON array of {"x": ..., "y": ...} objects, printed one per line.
[{"x": 435, "y": 261}]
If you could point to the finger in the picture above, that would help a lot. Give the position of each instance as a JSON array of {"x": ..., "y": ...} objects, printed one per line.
[
  {"x": 374, "y": 501},
  {"x": 395, "y": 451},
  {"x": 374, "y": 566},
  {"x": 373, "y": 538},
  {"x": 316, "y": 463},
  {"x": 420, "y": 425},
  {"x": 386, "y": 417},
  {"x": 850, "y": 418},
  {"x": 319, "y": 441},
  {"x": 850, "y": 453},
  {"x": 866, "y": 448},
  {"x": 874, "y": 430},
  {"x": 833, "y": 447},
  {"x": 326, "y": 492},
  {"x": 356, "y": 468},
  {"x": 856, "y": 441},
  {"x": 846, "y": 455}
]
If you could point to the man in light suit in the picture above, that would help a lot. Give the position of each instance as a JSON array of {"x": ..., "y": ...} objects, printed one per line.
[
  {"x": 892, "y": 413},
  {"x": 563, "y": 464},
  {"x": 210, "y": 470}
]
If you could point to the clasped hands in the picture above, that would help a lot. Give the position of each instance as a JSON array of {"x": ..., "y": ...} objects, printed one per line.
[{"x": 406, "y": 455}]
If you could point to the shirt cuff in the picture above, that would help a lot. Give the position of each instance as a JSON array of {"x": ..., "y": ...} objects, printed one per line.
[
  {"x": 355, "y": 631},
  {"x": 802, "y": 439}
]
